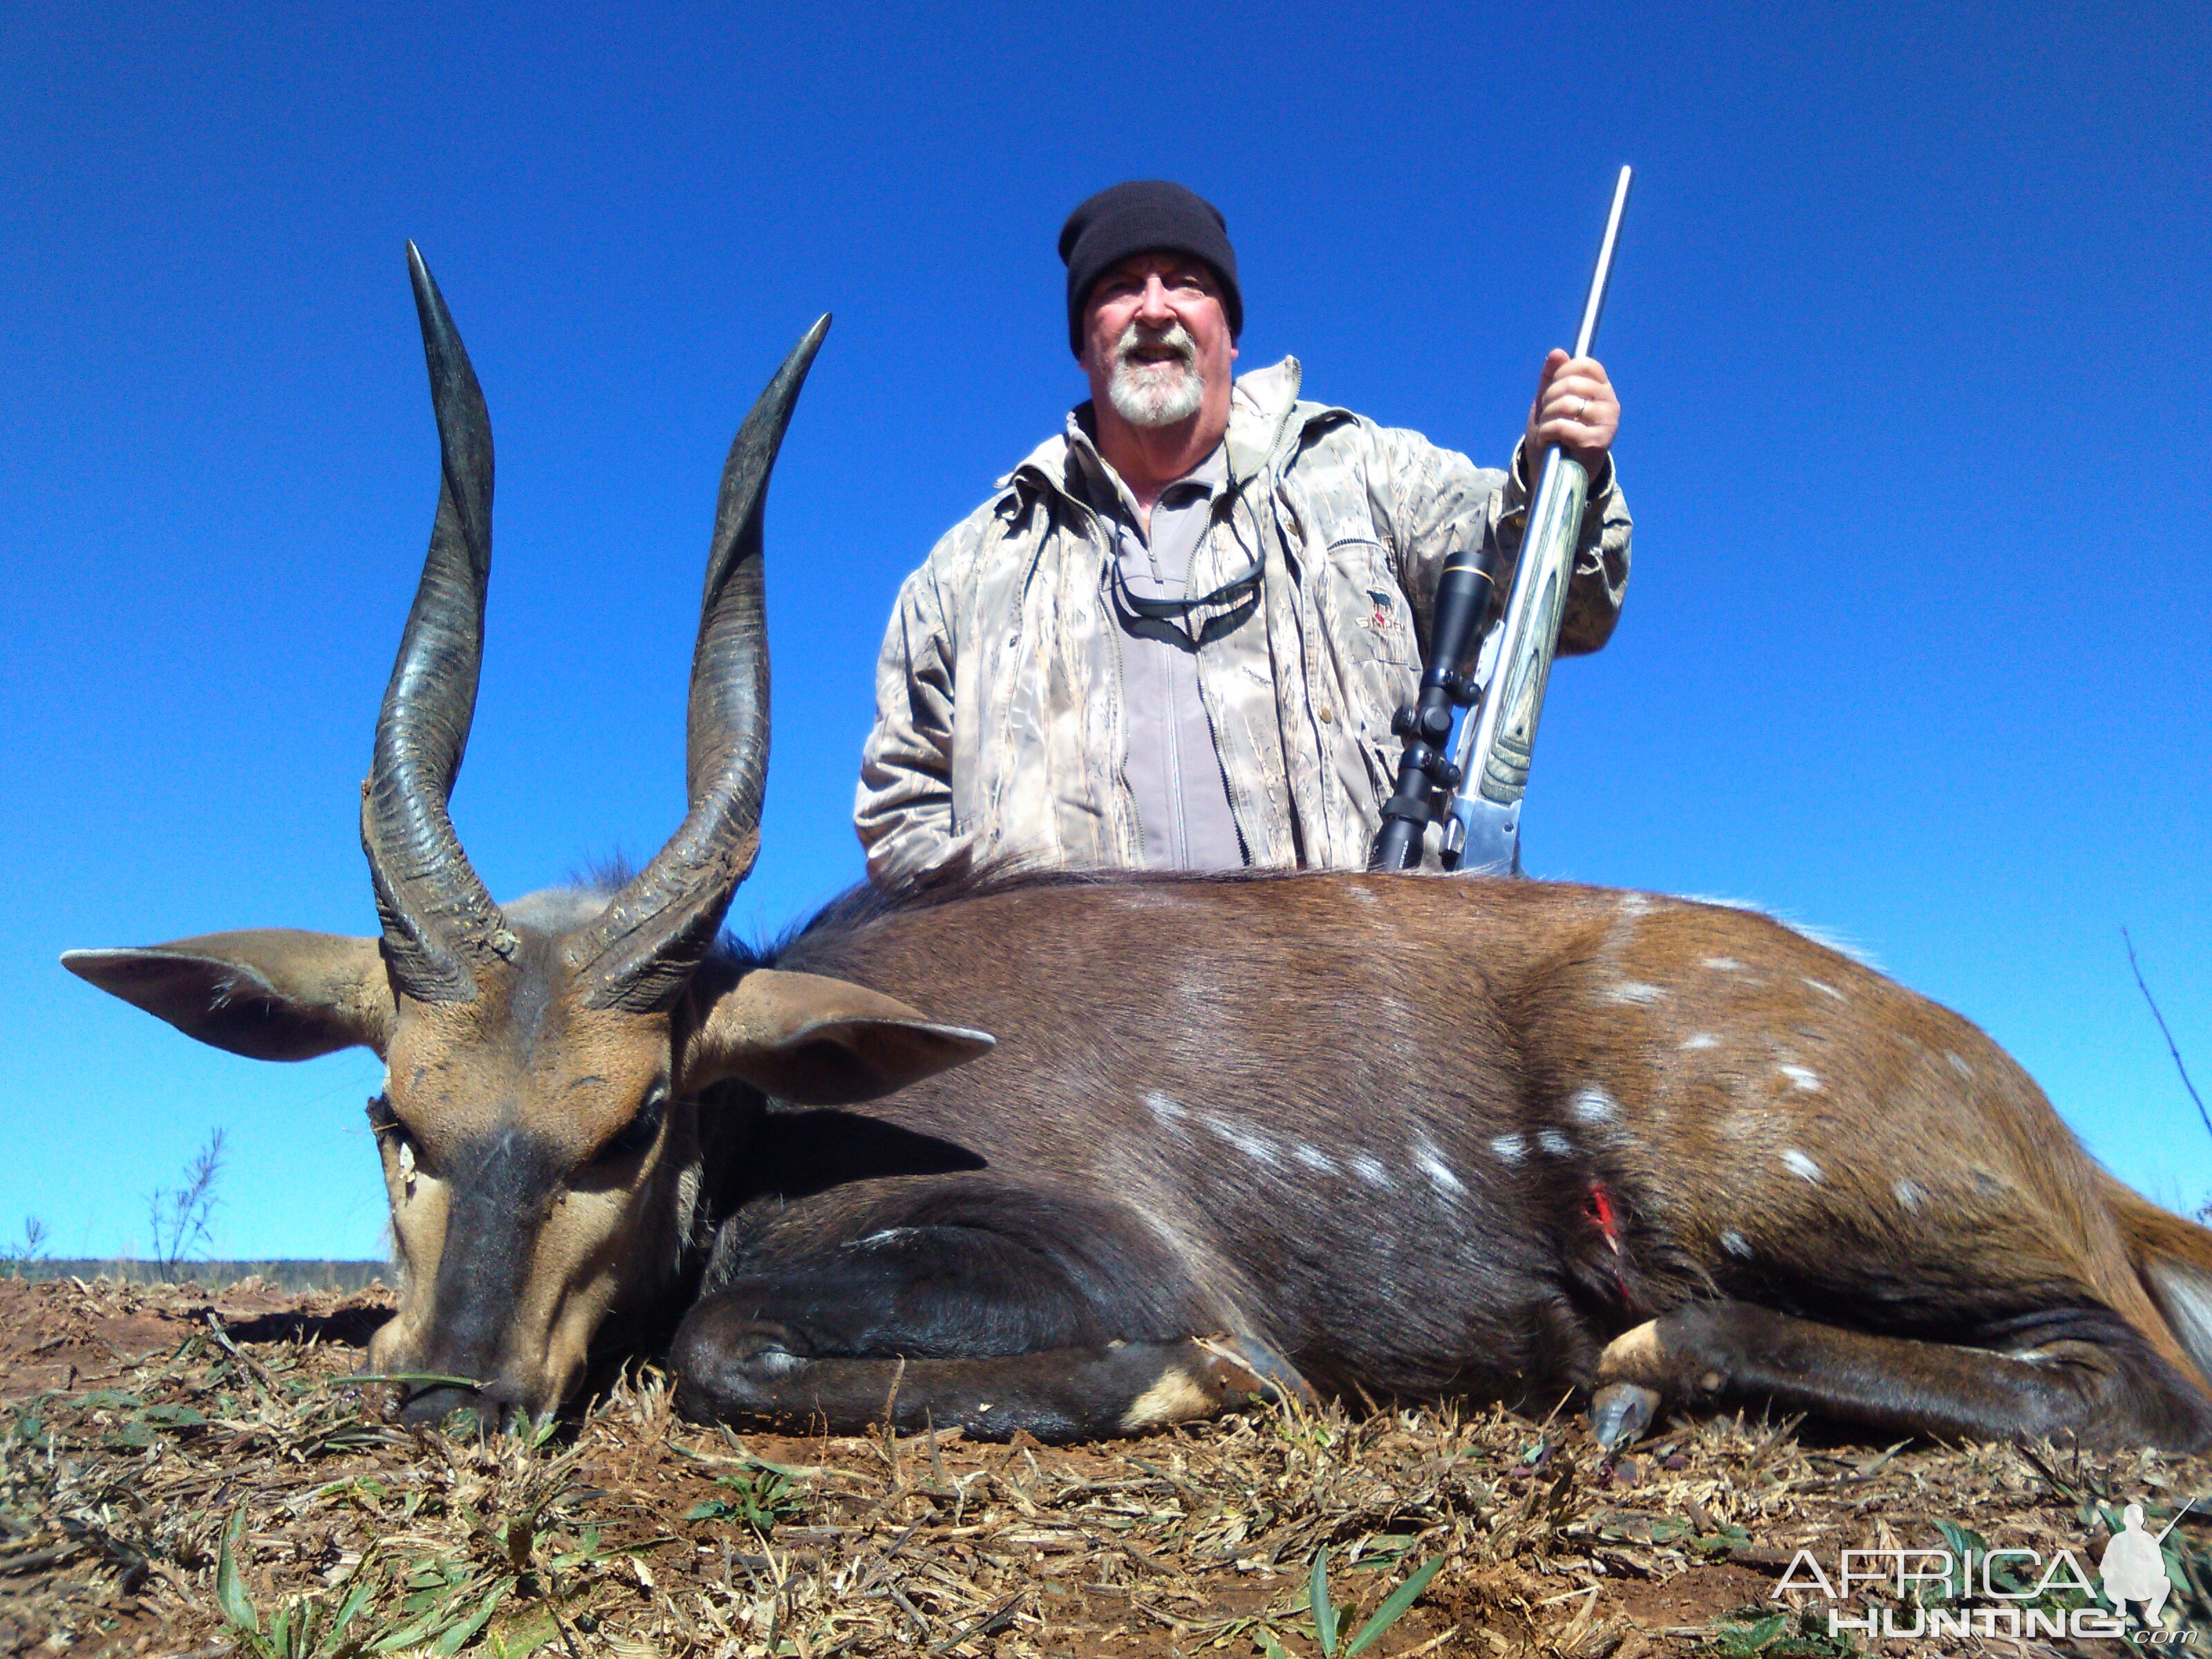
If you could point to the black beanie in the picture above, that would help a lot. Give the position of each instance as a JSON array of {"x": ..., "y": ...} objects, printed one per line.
[{"x": 1141, "y": 216}]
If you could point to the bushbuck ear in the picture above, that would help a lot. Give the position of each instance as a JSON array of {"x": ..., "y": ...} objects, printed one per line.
[
  {"x": 820, "y": 1042},
  {"x": 268, "y": 994}
]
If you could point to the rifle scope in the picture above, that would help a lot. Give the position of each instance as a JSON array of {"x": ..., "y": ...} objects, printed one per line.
[{"x": 1466, "y": 602}]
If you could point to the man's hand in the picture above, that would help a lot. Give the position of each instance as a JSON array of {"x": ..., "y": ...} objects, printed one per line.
[{"x": 1575, "y": 408}]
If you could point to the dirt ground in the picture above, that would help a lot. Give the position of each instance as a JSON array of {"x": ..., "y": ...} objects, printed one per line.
[{"x": 185, "y": 1471}]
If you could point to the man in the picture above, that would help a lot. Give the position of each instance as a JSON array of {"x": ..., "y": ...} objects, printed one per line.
[{"x": 1177, "y": 633}]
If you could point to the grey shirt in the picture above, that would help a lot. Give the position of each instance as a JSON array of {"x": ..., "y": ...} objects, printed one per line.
[{"x": 1173, "y": 769}]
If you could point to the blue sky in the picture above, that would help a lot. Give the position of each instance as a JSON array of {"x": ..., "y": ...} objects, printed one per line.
[{"x": 1908, "y": 325}]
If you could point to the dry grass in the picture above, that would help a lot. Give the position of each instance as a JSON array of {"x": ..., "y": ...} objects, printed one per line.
[{"x": 146, "y": 1426}]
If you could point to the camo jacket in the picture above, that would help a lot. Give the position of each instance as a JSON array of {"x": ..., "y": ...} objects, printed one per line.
[{"x": 1000, "y": 726}]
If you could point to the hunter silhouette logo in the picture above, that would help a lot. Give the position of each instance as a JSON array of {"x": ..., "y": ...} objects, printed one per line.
[{"x": 2134, "y": 1567}]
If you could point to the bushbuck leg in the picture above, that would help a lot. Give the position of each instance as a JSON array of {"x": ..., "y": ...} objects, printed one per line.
[
  {"x": 2081, "y": 1372},
  {"x": 739, "y": 1370},
  {"x": 884, "y": 1327}
]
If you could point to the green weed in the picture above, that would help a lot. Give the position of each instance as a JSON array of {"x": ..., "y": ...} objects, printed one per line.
[
  {"x": 306, "y": 1627},
  {"x": 759, "y": 1499},
  {"x": 437, "y": 1604},
  {"x": 1328, "y": 1617},
  {"x": 1755, "y": 1634}
]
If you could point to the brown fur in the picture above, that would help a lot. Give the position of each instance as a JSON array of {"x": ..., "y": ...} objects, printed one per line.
[{"x": 1778, "y": 1125}]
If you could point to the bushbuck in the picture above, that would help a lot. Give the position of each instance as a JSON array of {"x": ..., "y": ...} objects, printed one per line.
[{"x": 1081, "y": 1155}]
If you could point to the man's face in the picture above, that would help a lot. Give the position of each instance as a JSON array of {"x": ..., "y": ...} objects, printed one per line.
[{"x": 1156, "y": 341}]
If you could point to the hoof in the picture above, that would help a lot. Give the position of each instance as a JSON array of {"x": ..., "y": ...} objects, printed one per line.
[{"x": 1620, "y": 1412}]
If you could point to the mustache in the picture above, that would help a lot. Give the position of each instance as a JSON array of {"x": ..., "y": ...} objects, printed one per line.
[{"x": 1174, "y": 337}]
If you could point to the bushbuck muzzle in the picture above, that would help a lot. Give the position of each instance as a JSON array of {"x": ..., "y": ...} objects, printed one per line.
[{"x": 539, "y": 1125}]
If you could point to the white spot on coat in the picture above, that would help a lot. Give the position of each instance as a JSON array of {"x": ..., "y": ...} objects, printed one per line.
[
  {"x": 1166, "y": 1107},
  {"x": 1700, "y": 1039},
  {"x": 1431, "y": 1164},
  {"x": 1803, "y": 1078},
  {"x": 1736, "y": 1244},
  {"x": 1371, "y": 1171},
  {"x": 1801, "y": 1165},
  {"x": 1633, "y": 905},
  {"x": 1556, "y": 1144},
  {"x": 1314, "y": 1159},
  {"x": 1823, "y": 987},
  {"x": 1634, "y": 990},
  {"x": 1724, "y": 964},
  {"x": 1591, "y": 1104},
  {"x": 1959, "y": 1064},
  {"x": 1256, "y": 1147},
  {"x": 1907, "y": 1194},
  {"x": 882, "y": 1235},
  {"x": 1510, "y": 1148}
]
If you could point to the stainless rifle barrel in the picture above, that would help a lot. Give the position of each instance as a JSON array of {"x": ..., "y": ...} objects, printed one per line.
[{"x": 1497, "y": 742}]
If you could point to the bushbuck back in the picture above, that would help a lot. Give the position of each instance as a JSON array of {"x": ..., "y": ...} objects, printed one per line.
[{"x": 1650, "y": 1148}]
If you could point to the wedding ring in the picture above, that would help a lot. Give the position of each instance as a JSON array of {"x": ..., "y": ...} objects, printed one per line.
[{"x": 1582, "y": 409}]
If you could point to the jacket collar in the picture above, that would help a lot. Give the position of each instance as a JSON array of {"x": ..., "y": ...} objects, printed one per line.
[{"x": 1265, "y": 420}]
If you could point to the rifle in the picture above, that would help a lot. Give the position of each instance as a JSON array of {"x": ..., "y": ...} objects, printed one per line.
[
  {"x": 1497, "y": 743},
  {"x": 1482, "y": 830}
]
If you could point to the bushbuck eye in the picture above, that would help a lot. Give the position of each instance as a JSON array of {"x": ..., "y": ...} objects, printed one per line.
[{"x": 635, "y": 1135}]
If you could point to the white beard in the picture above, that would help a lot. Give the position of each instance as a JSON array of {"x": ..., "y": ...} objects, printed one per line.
[{"x": 1155, "y": 394}]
